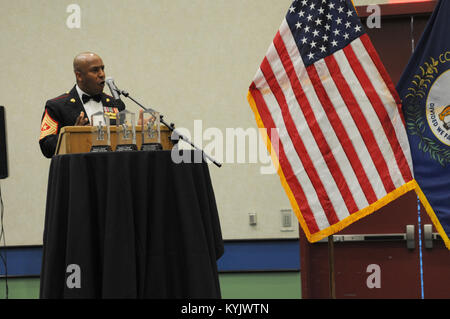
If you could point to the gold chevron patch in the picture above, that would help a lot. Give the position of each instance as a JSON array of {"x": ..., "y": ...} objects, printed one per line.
[{"x": 48, "y": 126}]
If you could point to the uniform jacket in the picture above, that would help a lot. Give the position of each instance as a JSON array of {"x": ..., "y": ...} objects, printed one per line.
[{"x": 63, "y": 111}]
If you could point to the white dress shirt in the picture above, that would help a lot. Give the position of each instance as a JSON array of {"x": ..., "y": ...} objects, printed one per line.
[{"x": 90, "y": 106}]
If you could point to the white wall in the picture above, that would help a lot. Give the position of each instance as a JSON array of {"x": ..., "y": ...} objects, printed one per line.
[{"x": 190, "y": 59}]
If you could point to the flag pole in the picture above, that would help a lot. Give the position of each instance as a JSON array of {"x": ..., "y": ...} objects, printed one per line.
[{"x": 331, "y": 267}]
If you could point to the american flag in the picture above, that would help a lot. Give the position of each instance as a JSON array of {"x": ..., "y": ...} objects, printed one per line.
[{"x": 323, "y": 94}]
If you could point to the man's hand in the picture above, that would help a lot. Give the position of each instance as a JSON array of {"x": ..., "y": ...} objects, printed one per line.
[
  {"x": 141, "y": 117},
  {"x": 81, "y": 121}
]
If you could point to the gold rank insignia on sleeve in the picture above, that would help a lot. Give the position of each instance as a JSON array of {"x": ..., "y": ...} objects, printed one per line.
[{"x": 48, "y": 126}]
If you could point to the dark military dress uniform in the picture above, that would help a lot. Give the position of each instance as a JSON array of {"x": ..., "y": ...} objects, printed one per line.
[{"x": 64, "y": 111}]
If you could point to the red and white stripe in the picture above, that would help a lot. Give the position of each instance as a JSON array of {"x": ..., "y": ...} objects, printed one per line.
[{"x": 342, "y": 141}]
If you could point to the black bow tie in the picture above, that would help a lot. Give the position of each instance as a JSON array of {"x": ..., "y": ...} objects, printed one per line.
[{"x": 96, "y": 98}]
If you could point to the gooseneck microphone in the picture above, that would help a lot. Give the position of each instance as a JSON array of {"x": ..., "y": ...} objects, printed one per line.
[{"x": 113, "y": 88}]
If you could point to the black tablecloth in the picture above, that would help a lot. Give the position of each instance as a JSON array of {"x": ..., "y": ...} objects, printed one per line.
[{"x": 136, "y": 224}]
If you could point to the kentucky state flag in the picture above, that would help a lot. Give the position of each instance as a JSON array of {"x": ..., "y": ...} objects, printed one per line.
[{"x": 425, "y": 91}]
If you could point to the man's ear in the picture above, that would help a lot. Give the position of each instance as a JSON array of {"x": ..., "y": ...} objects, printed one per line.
[{"x": 78, "y": 76}]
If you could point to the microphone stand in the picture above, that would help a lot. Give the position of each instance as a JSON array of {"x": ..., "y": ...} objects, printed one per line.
[{"x": 171, "y": 127}]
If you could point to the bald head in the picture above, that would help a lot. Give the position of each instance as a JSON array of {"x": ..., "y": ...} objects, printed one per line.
[
  {"x": 82, "y": 59},
  {"x": 89, "y": 72}
]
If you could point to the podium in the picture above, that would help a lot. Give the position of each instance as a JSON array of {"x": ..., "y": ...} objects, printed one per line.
[
  {"x": 130, "y": 225},
  {"x": 78, "y": 139}
]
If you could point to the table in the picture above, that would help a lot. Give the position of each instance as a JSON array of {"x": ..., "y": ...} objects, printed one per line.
[{"x": 130, "y": 225}]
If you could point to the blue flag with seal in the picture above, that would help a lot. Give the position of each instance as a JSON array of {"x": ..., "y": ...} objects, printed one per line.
[{"x": 425, "y": 92}]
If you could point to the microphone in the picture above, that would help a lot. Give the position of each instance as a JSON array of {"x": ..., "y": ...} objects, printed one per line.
[{"x": 113, "y": 88}]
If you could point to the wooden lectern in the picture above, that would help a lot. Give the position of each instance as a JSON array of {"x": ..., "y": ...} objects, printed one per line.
[{"x": 78, "y": 139}]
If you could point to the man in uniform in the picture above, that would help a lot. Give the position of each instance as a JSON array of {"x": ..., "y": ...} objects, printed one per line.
[{"x": 77, "y": 106}]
